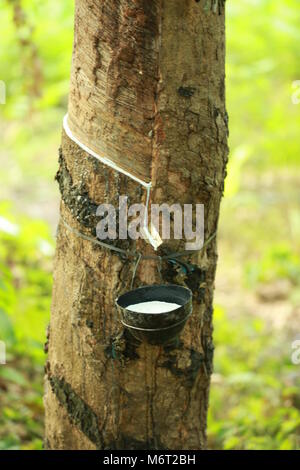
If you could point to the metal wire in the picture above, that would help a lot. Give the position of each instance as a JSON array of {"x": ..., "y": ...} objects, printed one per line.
[
  {"x": 135, "y": 254},
  {"x": 156, "y": 329}
]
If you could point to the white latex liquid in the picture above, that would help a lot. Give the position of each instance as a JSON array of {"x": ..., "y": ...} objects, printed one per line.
[{"x": 155, "y": 306}]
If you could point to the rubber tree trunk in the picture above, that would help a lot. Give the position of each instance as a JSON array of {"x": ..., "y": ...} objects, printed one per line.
[{"x": 147, "y": 89}]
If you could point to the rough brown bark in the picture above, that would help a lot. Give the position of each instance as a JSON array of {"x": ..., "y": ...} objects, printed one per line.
[{"x": 147, "y": 90}]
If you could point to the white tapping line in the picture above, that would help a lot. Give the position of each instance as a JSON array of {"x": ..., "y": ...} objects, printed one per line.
[{"x": 111, "y": 164}]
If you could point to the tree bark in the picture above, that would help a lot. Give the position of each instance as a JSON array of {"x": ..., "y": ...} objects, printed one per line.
[{"x": 147, "y": 90}]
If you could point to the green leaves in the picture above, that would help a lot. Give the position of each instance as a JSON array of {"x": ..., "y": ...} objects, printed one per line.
[
  {"x": 263, "y": 60},
  {"x": 25, "y": 285},
  {"x": 254, "y": 377}
]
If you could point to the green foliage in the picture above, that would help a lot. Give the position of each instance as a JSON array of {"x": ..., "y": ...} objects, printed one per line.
[
  {"x": 279, "y": 261},
  {"x": 26, "y": 250},
  {"x": 263, "y": 60},
  {"x": 21, "y": 419},
  {"x": 255, "y": 392},
  {"x": 35, "y": 61},
  {"x": 255, "y": 389},
  {"x": 36, "y": 43}
]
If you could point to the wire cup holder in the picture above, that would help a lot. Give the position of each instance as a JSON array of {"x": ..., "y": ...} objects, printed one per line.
[{"x": 160, "y": 327}]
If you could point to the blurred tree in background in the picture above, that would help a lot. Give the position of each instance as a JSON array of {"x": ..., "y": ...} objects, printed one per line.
[{"x": 255, "y": 399}]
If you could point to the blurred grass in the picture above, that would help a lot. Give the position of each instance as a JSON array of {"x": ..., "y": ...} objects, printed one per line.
[
  {"x": 26, "y": 251},
  {"x": 255, "y": 398},
  {"x": 255, "y": 388}
]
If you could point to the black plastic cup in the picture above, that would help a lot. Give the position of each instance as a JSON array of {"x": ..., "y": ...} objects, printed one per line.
[{"x": 156, "y": 328}]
